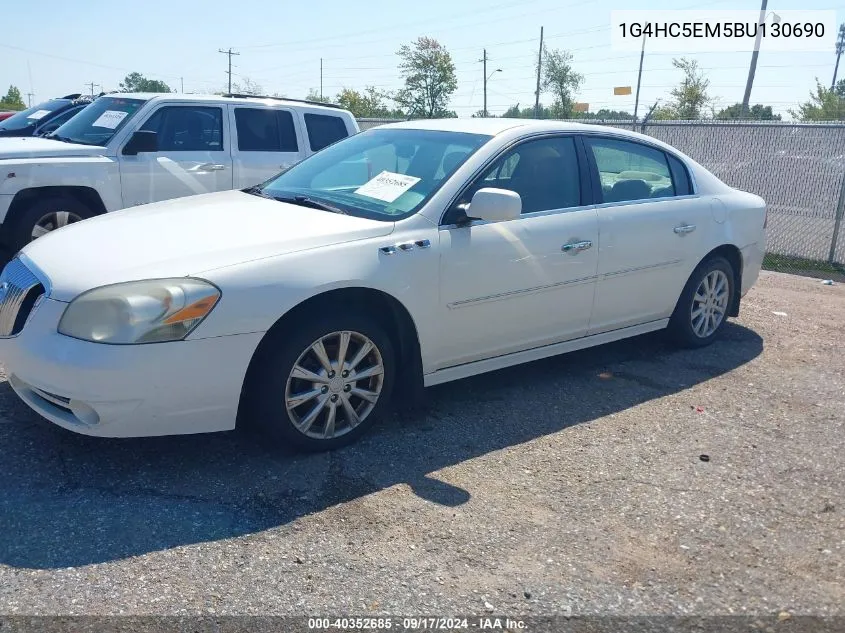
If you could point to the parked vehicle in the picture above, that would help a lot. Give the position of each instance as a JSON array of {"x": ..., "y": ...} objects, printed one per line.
[
  {"x": 408, "y": 255},
  {"x": 44, "y": 118},
  {"x": 6, "y": 115},
  {"x": 131, "y": 149}
]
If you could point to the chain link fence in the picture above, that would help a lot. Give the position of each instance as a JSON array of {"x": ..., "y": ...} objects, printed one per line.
[{"x": 798, "y": 168}]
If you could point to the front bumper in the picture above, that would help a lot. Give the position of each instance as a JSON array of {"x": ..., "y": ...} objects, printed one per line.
[{"x": 126, "y": 390}]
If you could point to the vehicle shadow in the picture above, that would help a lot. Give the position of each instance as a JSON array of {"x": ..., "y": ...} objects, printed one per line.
[{"x": 68, "y": 500}]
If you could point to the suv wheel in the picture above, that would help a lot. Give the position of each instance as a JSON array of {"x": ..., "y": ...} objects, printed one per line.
[{"x": 45, "y": 215}]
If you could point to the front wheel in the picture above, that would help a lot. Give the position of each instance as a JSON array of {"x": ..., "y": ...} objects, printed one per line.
[
  {"x": 45, "y": 215},
  {"x": 702, "y": 308},
  {"x": 322, "y": 385}
]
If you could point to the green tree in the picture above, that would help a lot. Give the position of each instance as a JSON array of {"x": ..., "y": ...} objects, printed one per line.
[
  {"x": 690, "y": 98},
  {"x": 757, "y": 112},
  {"x": 12, "y": 100},
  {"x": 824, "y": 104},
  {"x": 430, "y": 80},
  {"x": 560, "y": 79},
  {"x": 605, "y": 115},
  {"x": 313, "y": 95},
  {"x": 368, "y": 104},
  {"x": 136, "y": 82}
]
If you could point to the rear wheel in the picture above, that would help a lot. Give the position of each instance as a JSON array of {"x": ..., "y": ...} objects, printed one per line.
[
  {"x": 45, "y": 215},
  {"x": 702, "y": 308},
  {"x": 323, "y": 385}
]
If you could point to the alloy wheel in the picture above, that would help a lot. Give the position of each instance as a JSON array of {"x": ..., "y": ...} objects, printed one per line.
[
  {"x": 334, "y": 385},
  {"x": 710, "y": 303}
]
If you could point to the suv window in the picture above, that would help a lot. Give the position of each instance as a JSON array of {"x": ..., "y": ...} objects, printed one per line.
[
  {"x": 187, "y": 128},
  {"x": 265, "y": 130},
  {"x": 323, "y": 130},
  {"x": 631, "y": 171},
  {"x": 543, "y": 172}
]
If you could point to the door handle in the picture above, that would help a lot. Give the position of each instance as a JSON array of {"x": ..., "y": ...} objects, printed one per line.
[
  {"x": 683, "y": 229},
  {"x": 211, "y": 167},
  {"x": 576, "y": 247}
]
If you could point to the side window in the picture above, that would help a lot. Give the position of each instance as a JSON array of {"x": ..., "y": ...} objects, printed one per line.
[
  {"x": 323, "y": 130},
  {"x": 680, "y": 176},
  {"x": 543, "y": 172},
  {"x": 631, "y": 171},
  {"x": 258, "y": 130},
  {"x": 187, "y": 128}
]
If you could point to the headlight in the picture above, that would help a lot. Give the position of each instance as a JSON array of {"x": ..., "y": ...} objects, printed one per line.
[{"x": 149, "y": 311}]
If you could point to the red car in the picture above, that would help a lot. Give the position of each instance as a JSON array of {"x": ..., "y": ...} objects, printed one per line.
[{"x": 5, "y": 115}]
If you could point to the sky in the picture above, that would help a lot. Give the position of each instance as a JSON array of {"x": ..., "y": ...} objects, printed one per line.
[{"x": 62, "y": 46}]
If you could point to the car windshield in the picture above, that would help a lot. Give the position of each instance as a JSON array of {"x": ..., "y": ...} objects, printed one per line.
[
  {"x": 32, "y": 116},
  {"x": 100, "y": 121},
  {"x": 383, "y": 174}
]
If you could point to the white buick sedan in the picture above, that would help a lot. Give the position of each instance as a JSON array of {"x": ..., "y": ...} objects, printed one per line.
[{"x": 405, "y": 256}]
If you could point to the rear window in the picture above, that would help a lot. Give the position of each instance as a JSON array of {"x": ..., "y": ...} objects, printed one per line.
[
  {"x": 265, "y": 130},
  {"x": 323, "y": 130}
]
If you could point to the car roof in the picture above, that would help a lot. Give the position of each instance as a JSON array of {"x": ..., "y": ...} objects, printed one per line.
[
  {"x": 179, "y": 96},
  {"x": 491, "y": 126}
]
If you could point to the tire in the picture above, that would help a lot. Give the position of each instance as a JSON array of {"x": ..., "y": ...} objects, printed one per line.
[
  {"x": 50, "y": 212},
  {"x": 271, "y": 407},
  {"x": 689, "y": 331}
]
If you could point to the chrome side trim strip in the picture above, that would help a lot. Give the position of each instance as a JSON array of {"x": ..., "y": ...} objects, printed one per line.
[
  {"x": 518, "y": 293},
  {"x": 627, "y": 271}
]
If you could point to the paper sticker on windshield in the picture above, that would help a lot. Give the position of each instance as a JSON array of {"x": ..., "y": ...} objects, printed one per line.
[
  {"x": 38, "y": 114},
  {"x": 387, "y": 186},
  {"x": 110, "y": 119}
]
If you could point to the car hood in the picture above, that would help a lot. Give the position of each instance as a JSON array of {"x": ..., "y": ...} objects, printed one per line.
[
  {"x": 183, "y": 237},
  {"x": 38, "y": 147}
]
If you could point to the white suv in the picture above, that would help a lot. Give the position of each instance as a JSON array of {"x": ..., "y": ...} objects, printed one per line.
[{"x": 129, "y": 149}]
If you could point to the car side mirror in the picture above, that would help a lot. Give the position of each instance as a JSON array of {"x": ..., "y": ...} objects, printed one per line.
[
  {"x": 495, "y": 205},
  {"x": 141, "y": 141}
]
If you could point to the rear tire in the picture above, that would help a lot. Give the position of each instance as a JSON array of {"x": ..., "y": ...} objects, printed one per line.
[
  {"x": 45, "y": 215},
  {"x": 702, "y": 309},
  {"x": 323, "y": 383}
]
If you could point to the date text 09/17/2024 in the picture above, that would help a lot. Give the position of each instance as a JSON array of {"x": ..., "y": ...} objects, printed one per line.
[{"x": 416, "y": 623}]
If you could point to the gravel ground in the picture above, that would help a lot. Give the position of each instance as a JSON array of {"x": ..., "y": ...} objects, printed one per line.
[{"x": 571, "y": 485}]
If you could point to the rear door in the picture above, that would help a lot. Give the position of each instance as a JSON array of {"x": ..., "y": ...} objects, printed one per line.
[
  {"x": 192, "y": 156},
  {"x": 264, "y": 142},
  {"x": 653, "y": 231}
]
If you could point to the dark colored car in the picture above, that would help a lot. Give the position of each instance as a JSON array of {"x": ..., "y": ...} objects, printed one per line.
[
  {"x": 45, "y": 117},
  {"x": 5, "y": 115}
]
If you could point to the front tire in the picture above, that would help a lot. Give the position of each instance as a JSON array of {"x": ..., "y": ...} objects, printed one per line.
[
  {"x": 324, "y": 383},
  {"x": 702, "y": 309},
  {"x": 45, "y": 215}
]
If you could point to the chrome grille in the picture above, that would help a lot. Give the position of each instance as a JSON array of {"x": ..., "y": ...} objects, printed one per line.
[{"x": 19, "y": 291}]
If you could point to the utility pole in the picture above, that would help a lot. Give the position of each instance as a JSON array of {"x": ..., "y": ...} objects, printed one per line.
[
  {"x": 639, "y": 79},
  {"x": 29, "y": 96},
  {"x": 754, "y": 55},
  {"x": 229, "y": 72},
  {"x": 840, "y": 48},
  {"x": 539, "y": 67},
  {"x": 484, "y": 59},
  {"x": 321, "y": 79},
  {"x": 92, "y": 84},
  {"x": 182, "y": 84}
]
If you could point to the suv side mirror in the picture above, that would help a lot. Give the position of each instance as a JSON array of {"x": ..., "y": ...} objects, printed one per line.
[
  {"x": 141, "y": 141},
  {"x": 495, "y": 205}
]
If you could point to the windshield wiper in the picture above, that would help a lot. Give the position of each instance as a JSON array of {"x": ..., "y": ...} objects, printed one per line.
[
  {"x": 305, "y": 201},
  {"x": 65, "y": 139},
  {"x": 256, "y": 190}
]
